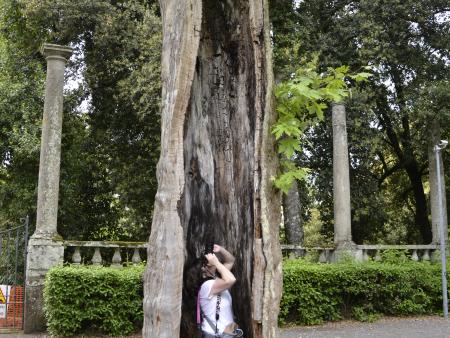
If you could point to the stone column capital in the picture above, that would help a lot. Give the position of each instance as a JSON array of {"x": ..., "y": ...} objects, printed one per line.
[{"x": 52, "y": 51}]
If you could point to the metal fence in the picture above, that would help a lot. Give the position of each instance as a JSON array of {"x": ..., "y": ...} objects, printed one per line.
[{"x": 13, "y": 252}]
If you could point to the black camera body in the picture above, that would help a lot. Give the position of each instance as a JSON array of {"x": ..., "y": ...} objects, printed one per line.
[{"x": 209, "y": 249}]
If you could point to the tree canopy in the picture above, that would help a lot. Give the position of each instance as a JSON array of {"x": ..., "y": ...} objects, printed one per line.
[
  {"x": 406, "y": 44},
  {"x": 111, "y": 118}
]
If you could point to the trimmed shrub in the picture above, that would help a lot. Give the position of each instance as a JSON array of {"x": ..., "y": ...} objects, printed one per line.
[
  {"x": 314, "y": 293},
  {"x": 80, "y": 297}
]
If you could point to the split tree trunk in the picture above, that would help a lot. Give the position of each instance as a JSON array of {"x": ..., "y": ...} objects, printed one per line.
[{"x": 217, "y": 158}]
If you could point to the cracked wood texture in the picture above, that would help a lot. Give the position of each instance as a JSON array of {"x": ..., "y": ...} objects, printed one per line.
[{"x": 217, "y": 159}]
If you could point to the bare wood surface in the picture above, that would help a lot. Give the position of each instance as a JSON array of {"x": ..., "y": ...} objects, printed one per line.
[
  {"x": 163, "y": 278},
  {"x": 217, "y": 161},
  {"x": 270, "y": 200},
  {"x": 259, "y": 267}
]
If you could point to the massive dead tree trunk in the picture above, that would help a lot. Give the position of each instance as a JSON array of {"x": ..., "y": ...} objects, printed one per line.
[{"x": 217, "y": 158}]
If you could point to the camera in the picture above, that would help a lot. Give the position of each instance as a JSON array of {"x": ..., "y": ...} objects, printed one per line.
[{"x": 209, "y": 249}]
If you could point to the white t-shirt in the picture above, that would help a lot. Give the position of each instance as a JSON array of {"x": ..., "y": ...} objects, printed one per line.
[{"x": 208, "y": 305}]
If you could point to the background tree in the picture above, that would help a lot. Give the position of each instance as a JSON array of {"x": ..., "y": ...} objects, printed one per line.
[
  {"x": 111, "y": 119},
  {"x": 293, "y": 202},
  {"x": 406, "y": 45},
  {"x": 21, "y": 105}
]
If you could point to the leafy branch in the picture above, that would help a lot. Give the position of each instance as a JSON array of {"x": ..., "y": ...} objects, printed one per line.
[{"x": 301, "y": 102}]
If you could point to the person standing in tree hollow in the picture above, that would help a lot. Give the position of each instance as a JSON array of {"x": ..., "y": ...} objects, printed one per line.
[{"x": 214, "y": 297}]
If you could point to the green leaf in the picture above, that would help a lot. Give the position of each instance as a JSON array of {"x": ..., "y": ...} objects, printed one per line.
[
  {"x": 361, "y": 76},
  {"x": 288, "y": 146}
]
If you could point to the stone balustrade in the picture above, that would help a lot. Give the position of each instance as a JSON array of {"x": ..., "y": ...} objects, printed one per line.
[
  {"x": 121, "y": 252},
  {"x": 121, "y": 255},
  {"x": 321, "y": 254},
  {"x": 419, "y": 252}
]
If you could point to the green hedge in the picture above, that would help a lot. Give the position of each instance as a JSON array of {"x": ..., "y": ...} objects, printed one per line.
[
  {"x": 77, "y": 298},
  {"x": 314, "y": 293}
]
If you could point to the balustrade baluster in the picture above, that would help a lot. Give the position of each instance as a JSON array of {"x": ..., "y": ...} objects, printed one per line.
[
  {"x": 116, "y": 259},
  {"x": 97, "y": 257},
  {"x": 426, "y": 255},
  {"x": 322, "y": 256},
  {"x": 414, "y": 256},
  {"x": 312, "y": 255},
  {"x": 136, "y": 259},
  {"x": 377, "y": 257},
  {"x": 365, "y": 256},
  {"x": 76, "y": 257}
]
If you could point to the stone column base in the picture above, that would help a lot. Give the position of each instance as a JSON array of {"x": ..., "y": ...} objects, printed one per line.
[
  {"x": 43, "y": 254},
  {"x": 346, "y": 251}
]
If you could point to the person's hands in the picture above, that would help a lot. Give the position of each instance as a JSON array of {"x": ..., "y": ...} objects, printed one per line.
[
  {"x": 217, "y": 248},
  {"x": 212, "y": 259}
]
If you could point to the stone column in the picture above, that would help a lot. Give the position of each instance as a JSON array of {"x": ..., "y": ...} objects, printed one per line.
[
  {"x": 341, "y": 184},
  {"x": 44, "y": 247},
  {"x": 435, "y": 137},
  {"x": 341, "y": 178}
]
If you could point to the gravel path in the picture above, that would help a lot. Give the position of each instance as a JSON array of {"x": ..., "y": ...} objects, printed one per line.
[{"x": 411, "y": 327}]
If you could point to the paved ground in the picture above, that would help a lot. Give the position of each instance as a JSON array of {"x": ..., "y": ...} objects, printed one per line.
[{"x": 412, "y": 327}]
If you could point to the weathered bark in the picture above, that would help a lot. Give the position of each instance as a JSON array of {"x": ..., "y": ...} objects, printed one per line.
[
  {"x": 421, "y": 215},
  {"x": 435, "y": 136},
  {"x": 293, "y": 227},
  {"x": 164, "y": 275},
  {"x": 401, "y": 143},
  {"x": 407, "y": 160},
  {"x": 217, "y": 157}
]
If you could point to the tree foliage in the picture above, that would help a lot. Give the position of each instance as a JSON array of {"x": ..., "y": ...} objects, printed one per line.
[
  {"x": 301, "y": 102},
  {"x": 110, "y": 145},
  {"x": 21, "y": 99},
  {"x": 405, "y": 44},
  {"x": 111, "y": 115}
]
